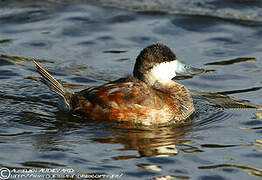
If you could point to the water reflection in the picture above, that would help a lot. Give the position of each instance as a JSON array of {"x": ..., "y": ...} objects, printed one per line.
[
  {"x": 233, "y": 61},
  {"x": 240, "y": 91},
  {"x": 157, "y": 142},
  {"x": 258, "y": 115},
  {"x": 2, "y": 41},
  {"x": 114, "y": 51},
  {"x": 221, "y": 99},
  {"x": 250, "y": 170},
  {"x": 20, "y": 60}
]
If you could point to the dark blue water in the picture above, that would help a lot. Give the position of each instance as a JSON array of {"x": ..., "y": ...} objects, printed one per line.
[{"x": 86, "y": 43}]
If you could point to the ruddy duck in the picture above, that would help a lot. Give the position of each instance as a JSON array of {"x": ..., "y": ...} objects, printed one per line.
[{"x": 149, "y": 97}]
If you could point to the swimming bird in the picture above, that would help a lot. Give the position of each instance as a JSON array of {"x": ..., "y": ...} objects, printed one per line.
[{"x": 149, "y": 97}]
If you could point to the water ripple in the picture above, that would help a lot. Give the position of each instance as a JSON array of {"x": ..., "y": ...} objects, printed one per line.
[
  {"x": 250, "y": 170},
  {"x": 26, "y": 17}
]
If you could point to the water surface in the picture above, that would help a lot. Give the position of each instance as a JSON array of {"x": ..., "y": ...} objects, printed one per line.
[{"x": 86, "y": 43}]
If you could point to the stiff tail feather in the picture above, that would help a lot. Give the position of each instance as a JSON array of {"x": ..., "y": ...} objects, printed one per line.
[{"x": 55, "y": 86}]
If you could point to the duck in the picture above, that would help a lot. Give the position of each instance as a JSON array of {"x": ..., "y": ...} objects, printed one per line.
[{"x": 148, "y": 97}]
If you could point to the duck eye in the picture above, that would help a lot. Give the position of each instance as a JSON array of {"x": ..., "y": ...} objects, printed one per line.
[{"x": 165, "y": 59}]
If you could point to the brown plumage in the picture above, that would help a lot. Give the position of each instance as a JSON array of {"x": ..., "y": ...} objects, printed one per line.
[{"x": 132, "y": 100}]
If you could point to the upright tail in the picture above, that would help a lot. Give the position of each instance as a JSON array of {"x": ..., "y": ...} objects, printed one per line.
[{"x": 55, "y": 86}]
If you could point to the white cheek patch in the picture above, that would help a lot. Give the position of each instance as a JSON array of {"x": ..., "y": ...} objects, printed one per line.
[{"x": 163, "y": 72}]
